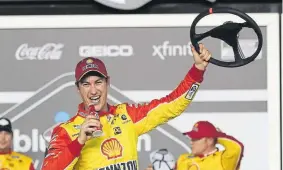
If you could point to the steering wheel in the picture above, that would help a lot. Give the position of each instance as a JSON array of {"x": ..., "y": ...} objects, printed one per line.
[{"x": 229, "y": 33}]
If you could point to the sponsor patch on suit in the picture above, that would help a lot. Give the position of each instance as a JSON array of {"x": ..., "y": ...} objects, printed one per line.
[{"x": 191, "y": 93}]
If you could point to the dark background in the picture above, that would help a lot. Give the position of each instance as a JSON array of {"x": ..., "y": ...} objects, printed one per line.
[{"x": 68, "y": 7}]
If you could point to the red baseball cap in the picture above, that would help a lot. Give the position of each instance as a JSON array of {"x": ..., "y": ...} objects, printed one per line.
[
  {"x": 202, "y": 129},
  {"x": 90, "y": 64}
]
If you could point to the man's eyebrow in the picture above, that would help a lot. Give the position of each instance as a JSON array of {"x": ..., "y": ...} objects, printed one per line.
[
  {"x": 99, "y": 79},
  {"x": 84, "y": 82}
]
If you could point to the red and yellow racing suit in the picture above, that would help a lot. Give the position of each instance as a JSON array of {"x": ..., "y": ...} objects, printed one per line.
[
  {"x": 15, "y": 161},
  {"x": 122, "y": 125},
  {"x": 228, "y": 159}
]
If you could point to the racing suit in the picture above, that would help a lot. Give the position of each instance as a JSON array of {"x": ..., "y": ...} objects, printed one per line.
[
  {"x": 122, "y": 125},
  {"x": 228, "y": 159},
  {"x": 15, "y": 161}
]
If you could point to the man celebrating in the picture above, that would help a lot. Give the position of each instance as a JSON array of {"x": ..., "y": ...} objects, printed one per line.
[
  {"x": 205, "y": 155},
  {"x": 10, "y": 160},
  {"x": 72, "y": 144}
]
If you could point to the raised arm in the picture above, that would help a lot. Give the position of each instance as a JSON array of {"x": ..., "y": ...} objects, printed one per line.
[
  {"x": 233, "y": 153},
  {"x": 147, "y": 117}
]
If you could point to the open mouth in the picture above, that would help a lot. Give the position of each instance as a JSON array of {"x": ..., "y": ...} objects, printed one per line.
[
  {"x": 95, "y": 99},
  {"x": 3, "y": 143}
]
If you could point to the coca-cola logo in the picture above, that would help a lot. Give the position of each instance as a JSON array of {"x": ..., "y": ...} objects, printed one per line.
[{"x": 49, "y": 51}]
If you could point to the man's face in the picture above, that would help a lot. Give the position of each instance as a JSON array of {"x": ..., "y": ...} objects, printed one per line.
[
  {"x": 5, "y": 140},
  {"x": 93, "y": 90},
  {"x": 200, "y": 146}
]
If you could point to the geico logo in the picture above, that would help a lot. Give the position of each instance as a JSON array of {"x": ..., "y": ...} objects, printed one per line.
[
  {"x": 106, "y": 51},
  {"x": 166, "y": 49},
  {"x": 49, "y": 51},
  {"x": 25, "y": 143},
  {"x": 144, "y": 143},
  {"x": 130, "y": 165}
]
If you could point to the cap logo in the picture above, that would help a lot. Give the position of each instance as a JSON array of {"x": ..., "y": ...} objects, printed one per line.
[
  {"x": 89, "y": 61},
  {"x": 4, "y": 122},
  {"x": 195, "y": 128},
  {"x": 90, "y": 66}
]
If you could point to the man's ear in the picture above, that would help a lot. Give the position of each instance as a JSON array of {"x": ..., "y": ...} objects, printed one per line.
[
  {"x": 78, "y": 88},
  {"x": 108, "y": 81},
  {"x": 211, "y": 141}
]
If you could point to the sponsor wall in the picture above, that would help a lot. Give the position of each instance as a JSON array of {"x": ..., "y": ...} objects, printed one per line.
[{"x": 147, "y": 56}]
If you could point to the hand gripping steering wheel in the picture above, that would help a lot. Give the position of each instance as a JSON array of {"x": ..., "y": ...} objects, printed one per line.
[{"x": 228, "y": 32}]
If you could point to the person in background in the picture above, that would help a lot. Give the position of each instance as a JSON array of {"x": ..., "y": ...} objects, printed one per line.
[
  {"x": 205, "y": 155},
  {"x": 10, "y": 160}
]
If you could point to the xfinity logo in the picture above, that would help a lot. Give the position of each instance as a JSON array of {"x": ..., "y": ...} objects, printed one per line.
[
  {"x": 25, "y": 143},
  {"x": 106, "y": 51},
  {"x": 169, "y": 50},
  {"x": 124, "y": 4},
  {"x": 34, "y": 142}
]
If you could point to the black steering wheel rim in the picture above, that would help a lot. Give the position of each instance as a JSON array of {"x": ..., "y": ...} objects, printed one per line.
[{"x": 195, "y": 38}]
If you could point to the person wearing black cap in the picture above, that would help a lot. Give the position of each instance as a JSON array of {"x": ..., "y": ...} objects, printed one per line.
[{"x": 9, "y": 159}]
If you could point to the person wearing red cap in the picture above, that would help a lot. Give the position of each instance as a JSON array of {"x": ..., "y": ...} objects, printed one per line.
[
  {"x": 73, "y": 145},
  {"x": 10, "y": 160},
  {"x": 205, "y": 155}
]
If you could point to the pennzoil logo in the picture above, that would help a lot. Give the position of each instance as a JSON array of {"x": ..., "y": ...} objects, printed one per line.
[
  {"x": 130, "y": 165},
  {"x": 111, "y": 148}
]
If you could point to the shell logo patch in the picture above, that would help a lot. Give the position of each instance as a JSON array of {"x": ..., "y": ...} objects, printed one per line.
[
  {"x": 89, "y": 61},
  {"x": 195, "y": 128},
  {"x": 194, "y": 166},
  {"x": 111, "y": 148}
]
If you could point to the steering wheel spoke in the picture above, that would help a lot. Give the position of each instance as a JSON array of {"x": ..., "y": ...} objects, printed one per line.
[
  {"x": 199, "y": 37},
  {"x": 238, "y": 53},
  {"x": 246, "y": 24},
  {"x": 238, "y": 57}
]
